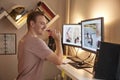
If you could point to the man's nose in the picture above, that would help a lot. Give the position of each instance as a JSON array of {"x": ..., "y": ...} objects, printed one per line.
[{"x": 45, "y": 26}]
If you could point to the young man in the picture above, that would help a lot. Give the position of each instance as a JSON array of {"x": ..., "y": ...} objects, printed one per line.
[{"x": 33, "y": 51}]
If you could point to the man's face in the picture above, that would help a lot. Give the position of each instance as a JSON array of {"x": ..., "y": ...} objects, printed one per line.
[{"x": 39, "y": 25}]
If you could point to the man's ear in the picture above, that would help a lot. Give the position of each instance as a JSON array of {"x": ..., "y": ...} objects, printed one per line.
[{"x": 32, "y": 23}]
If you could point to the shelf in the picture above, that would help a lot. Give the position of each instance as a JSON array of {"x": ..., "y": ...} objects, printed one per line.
[
  {"x": 53, "y": 20},
  {"x": 50, "y": 16},
  {"x": 18, "y": 24},
  {"x": 3, "y": 14}
]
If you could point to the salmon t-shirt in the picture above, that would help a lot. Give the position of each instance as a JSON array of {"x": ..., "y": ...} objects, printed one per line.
[{"x": 32, "y": 52}]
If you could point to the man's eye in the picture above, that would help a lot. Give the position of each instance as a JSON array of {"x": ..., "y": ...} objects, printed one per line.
[{"x": 42, "y": 23}]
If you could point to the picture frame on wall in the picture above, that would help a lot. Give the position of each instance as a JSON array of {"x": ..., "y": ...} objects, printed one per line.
[{"x": 7, "y": 43}]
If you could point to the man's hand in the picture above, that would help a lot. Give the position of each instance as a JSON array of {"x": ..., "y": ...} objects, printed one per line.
[{"x": 56, "y": 35}]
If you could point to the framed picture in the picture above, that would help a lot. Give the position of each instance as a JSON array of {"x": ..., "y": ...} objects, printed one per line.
[
  {"x": 7, "y": 43},
  {"x": 92, "y": 33}
]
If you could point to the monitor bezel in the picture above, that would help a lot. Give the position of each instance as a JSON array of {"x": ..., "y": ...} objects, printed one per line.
[
  {"x": 71, "y": 44},
  {"x": 101, "y": 20}
]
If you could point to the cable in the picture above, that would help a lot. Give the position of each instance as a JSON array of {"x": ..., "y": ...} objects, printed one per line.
[
  {"x": 88, "y": 56},
  {"x": 77, "y": 52},
  {"x": 79, "y": 57},
  {"x": 83, "y": 60},
  {"x": 91, "y": 59}
]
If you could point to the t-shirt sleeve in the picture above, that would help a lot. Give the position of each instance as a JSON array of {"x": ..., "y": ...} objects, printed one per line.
[{"x": 38, "y": 48}]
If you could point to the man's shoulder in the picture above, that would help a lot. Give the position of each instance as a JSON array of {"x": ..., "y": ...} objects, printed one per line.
[{"x": 34, "y": 40}]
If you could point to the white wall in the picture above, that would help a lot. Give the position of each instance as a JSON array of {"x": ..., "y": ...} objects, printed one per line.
[
  {"x": 8, "y": 63},
  {"x": 109, "y": 9}
]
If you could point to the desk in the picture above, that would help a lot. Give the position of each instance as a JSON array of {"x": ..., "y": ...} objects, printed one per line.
[{"x": 76, "y": 74}]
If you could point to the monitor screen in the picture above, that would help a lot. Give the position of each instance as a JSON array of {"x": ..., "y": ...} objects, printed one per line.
[
  {"x": 92, "y": 33},
  {"x": 72, "y": 34}
]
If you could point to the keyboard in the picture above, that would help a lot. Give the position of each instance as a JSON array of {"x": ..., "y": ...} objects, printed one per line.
[
  {"x": 80, "y": 66},
  {"x": 75, "y": 59}
]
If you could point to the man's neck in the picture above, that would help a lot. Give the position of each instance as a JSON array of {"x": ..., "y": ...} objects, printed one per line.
[{"x": 32, "y": 33}]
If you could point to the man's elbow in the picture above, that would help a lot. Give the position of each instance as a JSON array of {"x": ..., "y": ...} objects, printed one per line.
[{"x": 59, "y": 62}]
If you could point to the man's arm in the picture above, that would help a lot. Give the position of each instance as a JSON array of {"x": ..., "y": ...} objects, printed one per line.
[{"x": 56, "y": 57}]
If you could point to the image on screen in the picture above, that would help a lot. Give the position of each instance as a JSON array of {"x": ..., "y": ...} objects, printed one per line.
[
  {"x": 72, "y": 34},
  {"x": 92, "y": 33}
]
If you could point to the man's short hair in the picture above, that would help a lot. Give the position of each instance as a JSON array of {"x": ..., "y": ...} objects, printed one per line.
[{"x": 32, "y": 16}]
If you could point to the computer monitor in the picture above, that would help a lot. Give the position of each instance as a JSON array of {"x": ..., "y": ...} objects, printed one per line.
[
  {"x": 92, "y": 33},
  {"x": 106, "y": 67},
  {"x": 71, "y": 34}
]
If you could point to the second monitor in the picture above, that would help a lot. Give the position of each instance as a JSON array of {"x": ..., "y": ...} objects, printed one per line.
[
  {"x": 92, "y": 33},
  {"x": 72, "y": 34}
]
